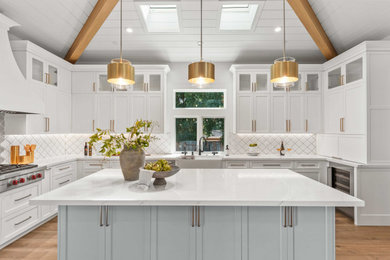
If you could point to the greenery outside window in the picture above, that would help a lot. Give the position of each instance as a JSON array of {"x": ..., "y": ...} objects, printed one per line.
[
  {"x": 189, "y": 131},
  {"x": 204, "y": 99}
]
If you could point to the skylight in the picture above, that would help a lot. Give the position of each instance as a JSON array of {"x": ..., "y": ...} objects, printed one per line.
[
  {"x": 238, "y": 16},
  {"x": 160, "y": 18}
]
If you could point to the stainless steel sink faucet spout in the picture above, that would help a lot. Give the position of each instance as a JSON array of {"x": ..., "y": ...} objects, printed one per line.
[{"x": 200, "y": 146}]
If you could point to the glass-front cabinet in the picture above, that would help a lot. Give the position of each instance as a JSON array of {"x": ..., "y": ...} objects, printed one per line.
[
  {"x": 307, "y": 82},
  {"x": 44, "y": 72},
  {"x": 312, "y": 82},
  {"x": 346, "y": 73},
  {"x": 148, "y": 82},
  {"x": 253, "y": 82}
]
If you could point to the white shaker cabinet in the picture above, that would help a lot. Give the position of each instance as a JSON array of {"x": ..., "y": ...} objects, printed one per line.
[
  {"x": 83, "y": 82},
  {"x": 295, "y": 108},
  {"x": 122, "y": 113},
  {"x": 83, "y": 113},
  {"x": 313, "y": 111},
  {"x": 244, "y": 123},
  {"x": 104, "y": 111},
  {"x": 138, "y": 107},
  {"x": 261, "y": 115},
  {"x": 279, "y": 123},
  {"x": 156, "y": 111}
]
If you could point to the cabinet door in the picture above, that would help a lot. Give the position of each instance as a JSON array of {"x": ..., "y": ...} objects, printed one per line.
[
  {"x": 128, "y": 233},
  {"x": 354, "y": 70},
  {"x": 355, "y": 110},
  {"x": 82, "y": 234},
  {"x": 139, "y": 85},
  {"x": 51, "y": 101},
  {"x": 103, "y": 85},
  {"x": 64, "y": 108},
  {"x": 244, "y": 113},
  {"x": 156, "y": 112},
  {"x": 278, "y": 113},
  {"x": 83, "y": 82},
  {"x": 37, "y": 70},
  {"x": 138, "y": 107},
  {"x": 244, "y": 82},
  {"x": 312, "y": 82},
  {"x": 261, "y": 81},
  {"x": 173, "y": 235},
  {"x": 334, "y": 111},
  {"x": 266, "y": 237},
  {"x": 104, "y": 113},
  {"x": 155, "y": 82},
  {"x": 122, "y": 113},
  {"x": 52, "y": 75},
  {"x": 83, "y": 113},
  {"x": 295, "y": 111},
  {"x": 219, "y": 235},
  {"x": 313, "y": 113},
  {"x": 261, "y": 113},
  {"x": 334, "y": 78},
  {"x": 312, "y": 236}
]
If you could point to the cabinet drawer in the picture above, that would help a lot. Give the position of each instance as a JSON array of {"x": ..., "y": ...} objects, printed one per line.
[
  {"x": 96, "y": 165},
  {"x": 62, "y": 181},
  {"x": 315, "y": 175},
  {"x": 305, "y": 165},
  {"x": 270, "y": 164},
  {"x": 63, "y": 169},
  {"x": 14, "y": 225},
  {"x": 18, "y": 199},
  {"x": 237, "y": 164}
]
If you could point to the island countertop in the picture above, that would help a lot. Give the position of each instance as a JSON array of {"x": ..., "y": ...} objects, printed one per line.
[{"x": 201, "y": 187}]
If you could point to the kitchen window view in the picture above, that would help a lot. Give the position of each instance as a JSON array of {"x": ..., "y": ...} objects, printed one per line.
[
  {"x": 212, "y": 129},
  {"x": 200, "y": 99}
]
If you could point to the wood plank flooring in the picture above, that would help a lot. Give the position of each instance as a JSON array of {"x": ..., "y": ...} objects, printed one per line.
[{"x": 352, "y": 242}]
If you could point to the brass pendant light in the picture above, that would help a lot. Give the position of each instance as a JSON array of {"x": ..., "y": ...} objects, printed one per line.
[
  {"x": 119, "y": 71},
  {"x": 201, "y": 72},
  {"x": 284, "y": 71}
]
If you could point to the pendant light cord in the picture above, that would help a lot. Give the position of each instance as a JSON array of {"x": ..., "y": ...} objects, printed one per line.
[
  {"x": 121, "y": 34},
  {"x": 284, "y": 30},
  {"x": 201, "y": 30}
]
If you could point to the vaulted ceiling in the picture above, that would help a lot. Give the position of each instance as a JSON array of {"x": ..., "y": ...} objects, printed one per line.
[{"x": 55, "y": 24}]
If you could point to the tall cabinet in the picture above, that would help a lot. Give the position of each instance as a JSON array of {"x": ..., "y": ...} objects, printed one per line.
[
  {"x": 261, "y": 107},
  {"x": 98, "y": 104}
]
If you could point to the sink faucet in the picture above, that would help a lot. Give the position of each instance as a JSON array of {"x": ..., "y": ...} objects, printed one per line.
[{"x": 200, "y": 144}]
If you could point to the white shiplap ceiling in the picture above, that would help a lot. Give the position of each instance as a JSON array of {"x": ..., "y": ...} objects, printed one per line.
[{"x": 54, "y": 24}]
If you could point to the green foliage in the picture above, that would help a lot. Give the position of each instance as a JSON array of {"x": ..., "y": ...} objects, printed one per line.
[
  {"x": 199, "y": 99},
  {"x": 186, "y": 129},
  {"x": 135, "y": 138},
  {"x": 253, "y": 145},
  {"x": 158, "y": 166}
]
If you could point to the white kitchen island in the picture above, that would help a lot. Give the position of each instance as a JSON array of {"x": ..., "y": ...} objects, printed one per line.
[{"x": 201, "y": 214}]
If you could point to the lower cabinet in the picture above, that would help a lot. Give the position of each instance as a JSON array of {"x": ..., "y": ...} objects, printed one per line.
[{"x": 196, "y": 233}]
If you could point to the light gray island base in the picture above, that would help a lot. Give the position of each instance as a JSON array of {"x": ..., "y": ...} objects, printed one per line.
[{"x": 196, "y": 233}]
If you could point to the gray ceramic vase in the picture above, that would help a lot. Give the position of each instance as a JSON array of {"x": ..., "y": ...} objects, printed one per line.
[{"x": 131, "y": 160}]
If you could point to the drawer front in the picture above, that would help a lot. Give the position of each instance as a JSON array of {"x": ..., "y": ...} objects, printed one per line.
[
  {"x": 271, "y": 165},
  {"x": 14, "y": 225},
  {"x": 237, "y": 164},
  {"x": 306, "y": 165},
  {"x": 62, "y": 181},
  {"x": 18, "y": 199},
  {"x": 315, "y": 175},
  {"x": 63, "y": 169},
  {"x": 96, "y": 165}
]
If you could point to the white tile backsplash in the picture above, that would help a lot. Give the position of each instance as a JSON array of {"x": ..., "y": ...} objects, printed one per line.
[{"x": 68, "y": 144}]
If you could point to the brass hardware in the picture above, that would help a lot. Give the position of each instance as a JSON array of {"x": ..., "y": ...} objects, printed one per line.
[
  {"x": 22, "y": 159},
  {"x": 307, "y": 125},
  {"x": 193, "y": 216},
  {"x": 198, "y": 217},
  {"x": 342, "y": 79},
  {"x": 48, "y": 78},
  {"x": 93, "y": 125},
  {"x": 342, "y": 124},
  {"x": 113, "y": 125},
  {"x": 289, "y": 125},
  {"x": 101, "y": 216},
  {"x": 147, "y": 87},
  {"x": 94, "y": 87},
  {"x": 201, "y": 70},
  {"x": 254, "y": 124},
  {"x": 307, "y": 86}
]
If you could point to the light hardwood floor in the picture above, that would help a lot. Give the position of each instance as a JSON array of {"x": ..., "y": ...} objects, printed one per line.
[{"x": 352, "y": 242}]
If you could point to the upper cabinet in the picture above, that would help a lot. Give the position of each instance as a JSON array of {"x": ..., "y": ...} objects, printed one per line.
[
  {"x": 307, "y": 82},
  {"x": 148, "y": 82},
  {"x": 253, "y": 82},
  {"x": 345, "y": 73}
]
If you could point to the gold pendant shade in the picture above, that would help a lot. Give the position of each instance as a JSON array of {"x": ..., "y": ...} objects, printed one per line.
[
  {"x": 120, "y": 72},
  {"x": 284, "y": 70},
  {"x": 201, "y": 73}
]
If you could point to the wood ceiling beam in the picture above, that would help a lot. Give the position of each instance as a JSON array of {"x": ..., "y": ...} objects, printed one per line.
[
  {"x": 309, "y": 19},
  {"x": 95, "y": 20}
]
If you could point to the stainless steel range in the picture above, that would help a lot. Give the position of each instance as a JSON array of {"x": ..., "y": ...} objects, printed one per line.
[{"x": 15, "y": 176}]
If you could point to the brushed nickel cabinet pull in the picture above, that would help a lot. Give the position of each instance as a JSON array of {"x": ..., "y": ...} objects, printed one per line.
[
  {"x": 22, "y": 198},
  {"x": 65, "y": 168},
  {"x": 237, "y": 165},
  {"x": 198, "y": 216},
  {"x": 271, "y": 165},
  {"x": 101, "y": 216},
  {"x": 21, "y": 222},
  {"x": 61, "y": 183},
  {"x": 193, "y": 216},
  {"x": 96, "y": 164},
  {"x": 285, "y": 217},
  {"x": 107, "y": 217}
]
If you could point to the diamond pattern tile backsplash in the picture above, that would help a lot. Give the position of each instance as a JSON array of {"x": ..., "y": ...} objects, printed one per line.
[
  {"x": 70, "y": 144},
  {"x": 268, "y": 143}
]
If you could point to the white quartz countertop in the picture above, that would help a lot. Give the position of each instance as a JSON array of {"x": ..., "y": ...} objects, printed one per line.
[{"x": 203, "y": 187}]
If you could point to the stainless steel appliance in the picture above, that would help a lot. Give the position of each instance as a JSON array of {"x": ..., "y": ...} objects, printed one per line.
[
  {"x": 341, "y": 178},
  {"x": 15, "y": 176}
]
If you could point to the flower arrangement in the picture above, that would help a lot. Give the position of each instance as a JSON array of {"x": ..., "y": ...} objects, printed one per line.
[{"x": 135, "y": 138}]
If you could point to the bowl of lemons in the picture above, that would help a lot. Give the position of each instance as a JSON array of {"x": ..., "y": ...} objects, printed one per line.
[{"x": 162, "y": 169}]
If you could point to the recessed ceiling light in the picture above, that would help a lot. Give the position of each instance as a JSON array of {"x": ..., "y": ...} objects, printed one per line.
[
  {"x": 129, "y": 30},
  {"x": 278, "y": 29}
]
